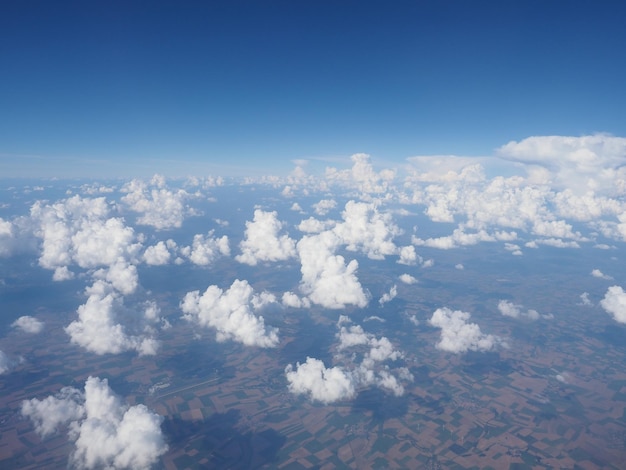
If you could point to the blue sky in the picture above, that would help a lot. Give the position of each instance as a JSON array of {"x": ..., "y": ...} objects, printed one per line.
[{"x": 131, "y": 88}]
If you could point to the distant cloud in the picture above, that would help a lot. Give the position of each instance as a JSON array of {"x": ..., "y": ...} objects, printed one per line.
[
  {"x": 509, "y": 309},
  {"x": 159, "y": 254},
  {"x": 326, "y": 279},
  {"x": 28, "y": 324},
  {"x": 106, "y": 432},
  {"x": 459, "y": 336},
  {"x": 232, "y": 313},
  {"x": 103, "y": 323},
  {"x": 614, "y": 303},
  {"x": 204, "y": 250},
  {"x": 599, "y": 274},
  {"x": 581, "y": 164},
  {"x": 160, "y": 207},
  {"x": 341, "y": 382},
  {"x": 324, "y": 206},
  {"x": 388, "y": 296},
  {"x": 6, "y": 363},
  {"x": 262, "y": 241},
  {"x": 408, "y": 279},
  {"x": 320, "y": 383}
]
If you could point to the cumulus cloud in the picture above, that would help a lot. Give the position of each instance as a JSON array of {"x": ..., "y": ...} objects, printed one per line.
[
  {"x": 160, "y": 207},
  {"x": 599, "y": 274},
  {"x": 28, "y": 324},
  {"x": 320, "y": 383},
  {"x": 326, "y": 279},
  {"x": 408, "y": 279},
  {"x": 591, "y": 162},
  {"x": 362, "y": 176},
  {"x": 80, "y": 231},
  {"x": 232, "y": 313},
  {"x": 100, "y": 325},
  {"x": 292, "y": 300},
  {"x": 509, "y": 309},
  {"x": 6, "y": 363},
  {"x": 206, "y": 249},
  {"x": 159, "y": 254},
  {"x": 324, "y": 206},
  {"x": 584, "y": 299},
  {"x": 459, "y": 336},
  {"x": 362, "y": 367},
  {"x": 388, "y": 296},
  {"x": 614, "y": 303},
  {"x": 106, "y": 433},
  {"x": 366, "y": 229},
  {"x": 262, "y": 241}
]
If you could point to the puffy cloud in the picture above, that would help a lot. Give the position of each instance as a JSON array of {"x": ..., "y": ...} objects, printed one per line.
[
  {"x": 313, "y": 225},
  {"x": 614, "y": 302},
  {"x": 367, "y": 230},
  {"x": 28, "y": 324},
  {"x": 99, "y": 328},
  {"x": 7, "y": 237},
  {"x": 461, "y": 238},
  {"x": 159, "y": 207},
  {"x": 599, "y": 274},
  {"x": 326, "y": 279},
  {"x": 591, "y": 162},
  {"x": 408, "y": 256},
  {"x": 584, "y": 299},
  {"x": 292, "y": 300},
  {"x": 6, "y": 363},
  {"x": 324, "y": 206},
  {"x": 457, "y": 335},
  {"x": 408, "y": 279},
  {"x": 362, "y": 176},
  {"x": 388, "y": 296},
  {"x": 159, "y": 254},
  {"x": 340, "y": 382},
  {"x": 509, "y": 309},
  {"x": 206, "y": 249},
  {"x": 106, "y": 432},
  {"x": 232, "y": 313},
  {"x": 459, "y": 266},
  {"x": 262, "y": 242},
  {"x": 79, "y": 231},
  {"x": 320, "y": 383}
]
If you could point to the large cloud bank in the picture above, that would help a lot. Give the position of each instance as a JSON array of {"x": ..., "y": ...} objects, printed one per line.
[{"x": 106, "y": 433}]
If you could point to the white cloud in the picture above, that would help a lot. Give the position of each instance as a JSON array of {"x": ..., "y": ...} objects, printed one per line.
[
  {"x": 408, "y": 256},
  {"x": 591, "y": 162},
  {"x": 159, "y": 207},
  {"x": 509, "y": 309},
  {"x": 324, "y": 206},
  {"x": 6, "y": 363},
  {"x": 584, "y": 298},
  {"x": 599, "y": 274},
  {"x": 79, "y": 231},
  {"x": 361, "y": 176},
  {"x": 614, "y": 302},
  {"x": 157, "y": 255},
  {"x": 100, "y": 325},
  {"x": 326, "y": 279},
  {"x": 388, "y": 296},
  {"x": 232, "y": 313},
  {"x": 457, "y": 335},
  {"x": 322, "y": 384},
  {"x": 262, "y": 241},
  {"x": 28, "y": 324},
  {"x": 408, "y": 279},
  {"x": 313, "y": 225},
  {"x": 292, "y": 300},
  {"x": 367, "y": 230},
  {"x": 106, "y": 432},
  {"x": 459, "y": 266},
  {"x": 206, "y": 249}
]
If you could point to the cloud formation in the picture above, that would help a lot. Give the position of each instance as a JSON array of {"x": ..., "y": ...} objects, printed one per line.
[
  {"x": 262, "y": 241},
  {"x": 106, "y": 433},
  {"x": 459, "y": 336},
  {"x": 614, "y": 303},
  {"x": 509, "y": 309},
  {"x": 28, "y": 324},
  {"x": 232, "y": 313}
]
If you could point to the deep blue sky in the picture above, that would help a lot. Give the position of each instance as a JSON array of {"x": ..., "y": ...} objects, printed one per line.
[{"x": 129, "y": 88}]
